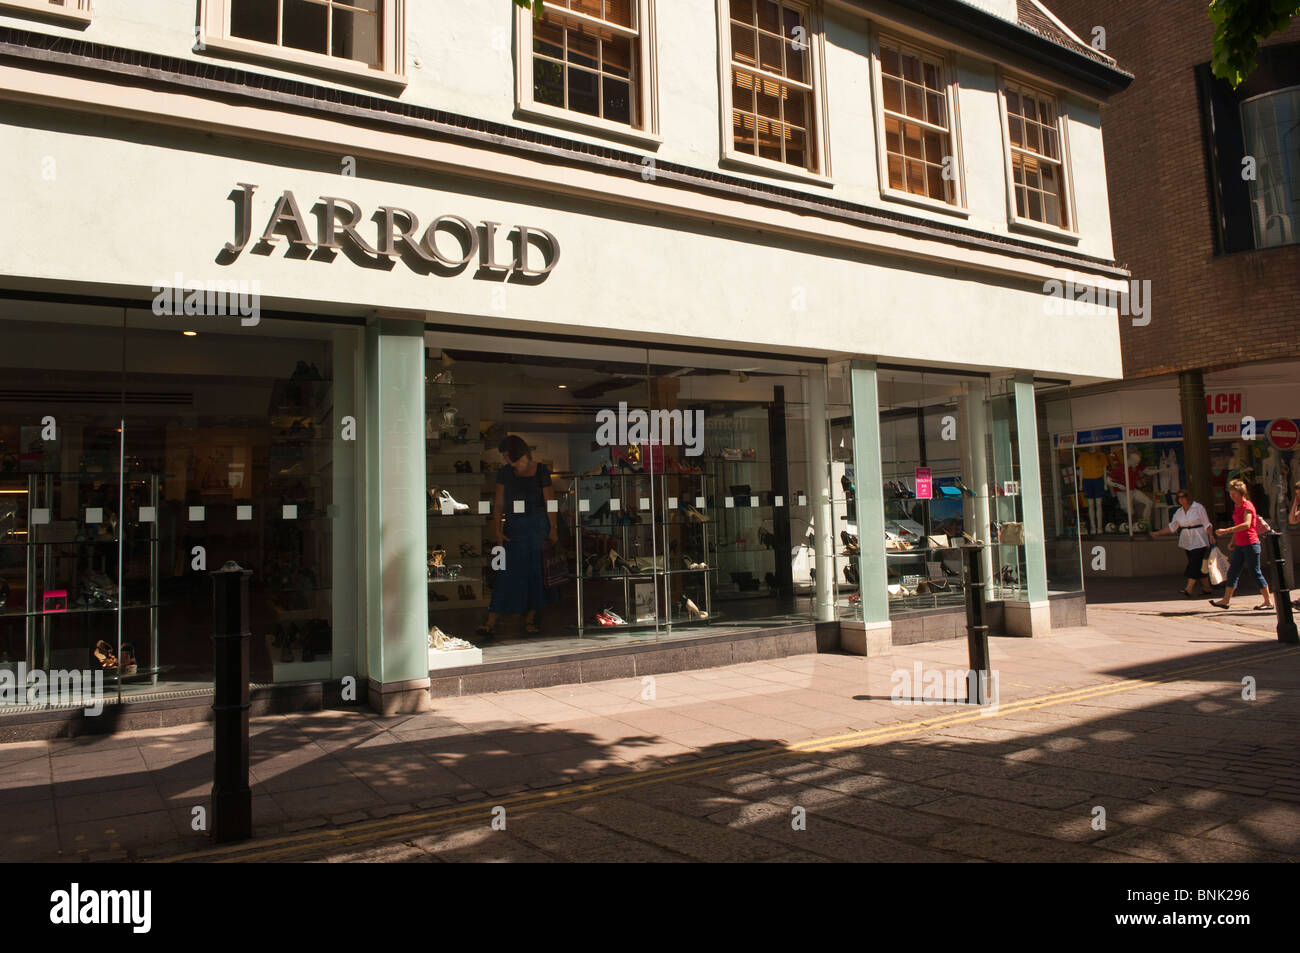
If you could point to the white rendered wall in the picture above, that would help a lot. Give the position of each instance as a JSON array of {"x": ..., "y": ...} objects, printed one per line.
[{"x": 465, "y": 56}]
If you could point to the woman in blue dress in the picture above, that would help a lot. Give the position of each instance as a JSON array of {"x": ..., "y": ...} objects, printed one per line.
[{"x": 523, "y": 523}]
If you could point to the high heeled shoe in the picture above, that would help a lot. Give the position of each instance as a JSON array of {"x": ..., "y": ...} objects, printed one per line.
[
  {"x": 694, "y": 611},
  {"x": 104, "y": 655},
  {"x": 445, "y": 499}
]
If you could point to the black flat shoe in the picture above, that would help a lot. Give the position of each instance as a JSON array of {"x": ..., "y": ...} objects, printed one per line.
[{"x": 1219, "y": 605}]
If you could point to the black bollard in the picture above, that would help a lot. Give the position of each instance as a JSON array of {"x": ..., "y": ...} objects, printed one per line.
[
  {"x": 977, "y": 632},
  {"x": 1286, "y": 630},
  {"x": 232, "y": 800}
]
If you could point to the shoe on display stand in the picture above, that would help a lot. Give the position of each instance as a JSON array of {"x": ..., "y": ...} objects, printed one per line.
[{"x": 445, "y": 499}]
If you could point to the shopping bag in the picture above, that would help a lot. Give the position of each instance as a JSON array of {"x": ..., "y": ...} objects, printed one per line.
[{"x": 1216, "y": 566}]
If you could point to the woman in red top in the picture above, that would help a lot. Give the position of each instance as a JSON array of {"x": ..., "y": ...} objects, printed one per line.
[{"x": 1245, "y": 539}]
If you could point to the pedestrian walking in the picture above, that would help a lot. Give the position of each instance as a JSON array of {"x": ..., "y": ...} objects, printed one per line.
[
  {"x": 1192, "y": 524},
  {"x": 1245, "y": 540}
]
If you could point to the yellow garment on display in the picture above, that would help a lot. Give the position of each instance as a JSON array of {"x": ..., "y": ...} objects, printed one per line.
[{"x": 1092, "y": 464}]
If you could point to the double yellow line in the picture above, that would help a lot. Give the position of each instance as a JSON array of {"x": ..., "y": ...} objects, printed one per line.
[{"x": 333, "y": 840}]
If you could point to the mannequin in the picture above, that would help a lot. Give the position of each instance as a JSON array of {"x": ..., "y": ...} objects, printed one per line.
[
  {"x": 1135, "y": 503},
  {"x": 1092, "y": 482}
]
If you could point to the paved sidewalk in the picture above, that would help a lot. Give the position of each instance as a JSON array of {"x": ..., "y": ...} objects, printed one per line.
[{"x": 1184, "y": 767}]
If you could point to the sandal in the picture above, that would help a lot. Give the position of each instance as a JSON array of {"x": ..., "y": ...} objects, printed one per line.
[
  {"x": 1219, "y": 605},
  {"x": 1270, "y": 608},
  {"x": 485, "y": 633}
]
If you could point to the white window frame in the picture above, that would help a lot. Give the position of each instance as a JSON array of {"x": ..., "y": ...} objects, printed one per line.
[
  {"x": 214, "y": 35},
  {"x": 1015, "y": 221},
  {"x": 76, "y": 11},
  {"x": 959, "y": 206},
  {"x": 819, "y": 134},
  {"x": 647, "y": 105}
]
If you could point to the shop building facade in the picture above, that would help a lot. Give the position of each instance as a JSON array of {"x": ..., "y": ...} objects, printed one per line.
[
  {"x": 1212, "y": 229},
  {"x": 750, "y": 280}
]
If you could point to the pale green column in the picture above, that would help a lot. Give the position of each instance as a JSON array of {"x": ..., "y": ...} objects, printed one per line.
[
  {"x": 1031, "y": 491},
  {"x": 396, "y": 513},
  {"x": 870, "y": 493}
]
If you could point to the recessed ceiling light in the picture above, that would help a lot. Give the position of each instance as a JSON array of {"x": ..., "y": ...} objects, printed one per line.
[
  {"x": 562, "y": 386},
  {"x": 190, "y": 334}
]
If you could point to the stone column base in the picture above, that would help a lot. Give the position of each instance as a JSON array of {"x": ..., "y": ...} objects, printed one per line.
[
  {"x": 400, "y": 698},
  {"x": 866, "y": 638},
  {"x": 1032, "y": 619}
]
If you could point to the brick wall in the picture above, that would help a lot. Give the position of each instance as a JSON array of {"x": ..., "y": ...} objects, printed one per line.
[{"x": 1207, "y": 310}]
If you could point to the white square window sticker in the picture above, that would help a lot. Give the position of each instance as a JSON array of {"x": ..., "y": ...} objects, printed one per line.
[
  {"x": 243, "y": 513},
  {"x": 552, "y": 506},
  {"x": 197, "y": 514},
  {"x": 699, "y": 502},
  {"x": 672, "y": 502},
  {"x": 753, "y": 502},
  {"x": 289, "y": 511},
  {"x": 615, "y": 504},
  {"x": 148, "y": 514},
  {"x": 584, "y": 506},
  {"x": 40, "y": 515},
  {"x": 94, "y": 514},
  {"x": 728, "y": 502},
  {"x": 803, "y": 500},
  {"x": 645, "y": 502},
  {"x": 778, "y": 501},
  {"x": 519, "y": 506},
  {"x": 484, "y": 507},
  {"x": 447, "y": 508}
]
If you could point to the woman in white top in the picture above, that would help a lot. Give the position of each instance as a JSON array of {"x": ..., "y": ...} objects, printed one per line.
[{"x": 1192, "y": 524}]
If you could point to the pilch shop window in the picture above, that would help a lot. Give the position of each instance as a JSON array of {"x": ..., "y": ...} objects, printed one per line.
[
  {"x": 353, "y": 36},
  {"x": 1037, "y": 156},
  {"x": 773, "y": 101},
  {"x": 587, "y": 59},
  {"x": 917, "y": 122},
  {"x": 75, "y": 10}
]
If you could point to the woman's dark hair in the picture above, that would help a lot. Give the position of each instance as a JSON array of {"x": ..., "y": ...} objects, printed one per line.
[{"x": 514, "y": 447}]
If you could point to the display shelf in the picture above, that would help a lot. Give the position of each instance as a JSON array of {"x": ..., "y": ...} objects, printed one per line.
[{"x": 78, "y": 610}]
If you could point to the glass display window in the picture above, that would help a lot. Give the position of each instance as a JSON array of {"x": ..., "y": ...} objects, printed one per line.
[
  {"x": 141, "y": 452},
  {"x": 587, "y": 492}
]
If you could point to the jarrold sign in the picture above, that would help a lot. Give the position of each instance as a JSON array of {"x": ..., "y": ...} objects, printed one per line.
[{"x": 448, "y": 244}]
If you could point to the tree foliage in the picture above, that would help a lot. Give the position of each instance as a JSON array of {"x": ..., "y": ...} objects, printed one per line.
[
  {"x": 1239, "y": 26},
  {"x": 535, "y": 4}
]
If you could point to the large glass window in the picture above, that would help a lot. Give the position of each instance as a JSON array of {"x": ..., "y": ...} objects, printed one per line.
[
  {"x": 140, "y": 452},
  {"x": 583, "y": 493},
  {"x": 937, "y": 472}
]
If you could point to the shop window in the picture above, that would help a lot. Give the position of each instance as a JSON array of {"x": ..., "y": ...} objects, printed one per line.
[
  {"x": 916, "y": 110},
  {"x": 360, "y": 37},
  {"x": 594, "y": 531},
  {"x": 939, "y": 488},
  {"x": 1036, "y": 157},
  {"x": 772, "y": 97},
  {"x": 590, "y": 63},
  {"x": 124, "y": 483},
  {"x": 76, "y": 10}
]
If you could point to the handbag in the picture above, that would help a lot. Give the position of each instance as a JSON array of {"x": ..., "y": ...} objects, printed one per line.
[{"x": 555, "y": 568}]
